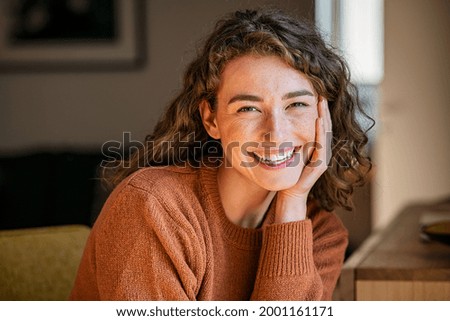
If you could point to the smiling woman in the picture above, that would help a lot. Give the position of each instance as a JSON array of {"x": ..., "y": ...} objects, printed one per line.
[
  {"x": 251, "y": 216},
  {"x": 269, "y": 106}
]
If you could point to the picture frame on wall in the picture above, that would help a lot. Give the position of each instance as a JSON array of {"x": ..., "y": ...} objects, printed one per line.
[{"x": 64, "y": 35}]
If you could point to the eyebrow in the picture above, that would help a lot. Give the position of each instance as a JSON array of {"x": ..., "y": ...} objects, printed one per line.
[
  {"x": 298, "y": 93},
  {"x": 248, "y": 97},
  {"x": 244, "y": 97}
]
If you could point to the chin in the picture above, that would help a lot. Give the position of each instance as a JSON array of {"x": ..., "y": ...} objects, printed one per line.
[{"x": 280, "y": 184}]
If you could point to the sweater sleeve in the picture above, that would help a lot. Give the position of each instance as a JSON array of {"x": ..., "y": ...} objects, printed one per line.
[
  {"x": 140, "y": 250},
  {"x": 301, "y": 260}
]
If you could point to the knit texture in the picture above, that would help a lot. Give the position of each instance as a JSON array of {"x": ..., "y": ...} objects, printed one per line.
[{"x": 163, "y": 235}]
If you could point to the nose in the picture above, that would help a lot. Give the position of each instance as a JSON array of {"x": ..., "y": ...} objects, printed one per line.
[{"x": 276, "y": 128}]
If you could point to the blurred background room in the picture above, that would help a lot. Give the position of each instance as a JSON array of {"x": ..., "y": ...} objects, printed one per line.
[{"x": 81, "y": 80}]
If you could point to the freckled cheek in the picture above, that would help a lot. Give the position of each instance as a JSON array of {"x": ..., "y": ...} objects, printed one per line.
[
  {"x": 240, "y": 141},
  {"x": 236, "y": 140},
  {"x": 305, "y": 129},
  {"x": 241, "y": 132}
]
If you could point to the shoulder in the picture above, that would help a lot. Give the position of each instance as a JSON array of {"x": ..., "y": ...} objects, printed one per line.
[
  {"x": 154, "y": 191},
  {"x": 160, "y": 183},
  {"x": 150, "y": 179},
  {"x": 158, "y": 201}
]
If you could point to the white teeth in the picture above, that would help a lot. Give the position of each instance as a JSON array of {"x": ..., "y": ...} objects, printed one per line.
[{"x": 275, "y": 159}]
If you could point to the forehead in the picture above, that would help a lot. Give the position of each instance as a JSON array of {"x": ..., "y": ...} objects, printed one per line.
[{"x": 260, "y": 74}]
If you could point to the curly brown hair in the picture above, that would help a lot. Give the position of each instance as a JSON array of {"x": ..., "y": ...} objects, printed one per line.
[{"x": 298, "y": 43}]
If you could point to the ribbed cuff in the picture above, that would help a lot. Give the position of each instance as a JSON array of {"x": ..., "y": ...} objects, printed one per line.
[{"x": 287, "y": 249}]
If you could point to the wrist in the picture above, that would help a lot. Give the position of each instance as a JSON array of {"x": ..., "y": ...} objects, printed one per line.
[{"x": 290, "y": 208}]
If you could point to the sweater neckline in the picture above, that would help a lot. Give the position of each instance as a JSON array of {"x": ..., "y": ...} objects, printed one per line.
[{"x": 241, "y": 237}]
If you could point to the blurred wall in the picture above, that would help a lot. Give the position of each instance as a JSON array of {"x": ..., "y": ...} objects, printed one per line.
[
  {"x": 412, "y": 151},
  {"x": 86, "y": 109}
]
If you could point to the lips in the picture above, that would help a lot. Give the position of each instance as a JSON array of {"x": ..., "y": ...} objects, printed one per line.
[{"x": 277, "y": 158}]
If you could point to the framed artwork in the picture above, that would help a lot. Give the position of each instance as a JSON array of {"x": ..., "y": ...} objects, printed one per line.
[{"x": 44, "y": 35}]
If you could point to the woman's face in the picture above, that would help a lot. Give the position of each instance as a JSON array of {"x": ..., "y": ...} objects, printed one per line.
[{"x": 265, "y": 119}]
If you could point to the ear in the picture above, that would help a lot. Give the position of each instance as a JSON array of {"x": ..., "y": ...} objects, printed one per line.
[{"x": 209, "y": 119}]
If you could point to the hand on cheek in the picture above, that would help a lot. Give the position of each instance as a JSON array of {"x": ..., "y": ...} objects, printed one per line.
[{"x": 291, "y": 203}]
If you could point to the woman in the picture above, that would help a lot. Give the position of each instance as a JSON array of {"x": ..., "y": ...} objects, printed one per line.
[{"x": 232, "y": 196}]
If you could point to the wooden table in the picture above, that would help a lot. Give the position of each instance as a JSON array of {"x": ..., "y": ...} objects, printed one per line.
[{"x": 396, "y": 264}]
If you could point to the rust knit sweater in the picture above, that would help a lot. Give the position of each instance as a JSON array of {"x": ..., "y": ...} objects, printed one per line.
[{"x": 163, "y": 235}]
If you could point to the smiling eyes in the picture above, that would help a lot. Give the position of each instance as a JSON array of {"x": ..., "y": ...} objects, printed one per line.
[
  {"x": 246, "y": 109},
  {"x": 298, "y": 104}
]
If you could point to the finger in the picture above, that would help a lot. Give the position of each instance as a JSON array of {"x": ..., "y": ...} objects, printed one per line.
[
  {"x": 319, "y": 155},
  {"x": 317, "y": 163},
  {"x": 326, "y": 115},
  {"x": 324, "y": 112}
]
